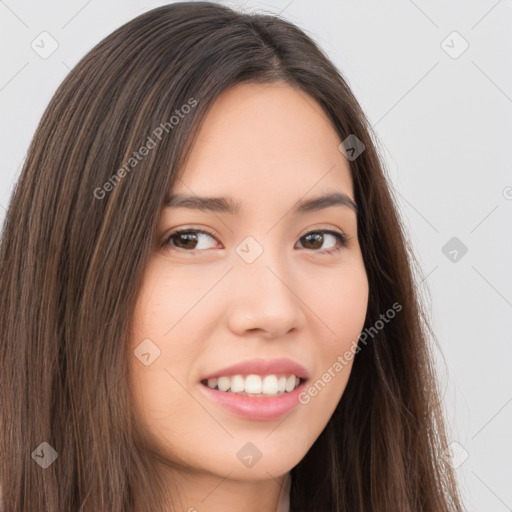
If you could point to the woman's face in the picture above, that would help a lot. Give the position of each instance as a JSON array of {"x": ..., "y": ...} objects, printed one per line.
[{"x": 268, "y": 289}]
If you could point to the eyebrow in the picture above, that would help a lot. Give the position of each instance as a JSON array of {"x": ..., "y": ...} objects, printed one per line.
[{"x": 227, "y": 205}]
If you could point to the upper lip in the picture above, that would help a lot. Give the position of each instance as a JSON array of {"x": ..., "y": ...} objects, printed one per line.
[{"x": 281, "y": 366}]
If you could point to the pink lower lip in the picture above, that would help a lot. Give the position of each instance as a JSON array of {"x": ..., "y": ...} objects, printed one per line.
[{"x": 256, "y": 408}]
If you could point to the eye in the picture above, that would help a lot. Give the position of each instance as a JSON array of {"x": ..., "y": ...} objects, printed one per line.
[
  {"x": 336, "y": 240},
  {"x": 189, "y": 240}
]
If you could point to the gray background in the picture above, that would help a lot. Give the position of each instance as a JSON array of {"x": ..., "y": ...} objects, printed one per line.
[{"x": 444, "y": 121}]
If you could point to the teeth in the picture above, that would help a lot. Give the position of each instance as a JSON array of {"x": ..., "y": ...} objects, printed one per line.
[
  {"x": 253, "y": 384},
  {"x": 269, "y": 385},
  {"x": 237, "y": 384},
  {"x": 290, "y": 383},
  {"x": 223, "y": 383}
]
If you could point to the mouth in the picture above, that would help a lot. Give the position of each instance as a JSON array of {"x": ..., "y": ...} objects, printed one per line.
[
  {"x": 257, "y": 386},
  {"x": 257, "y": 389},
  {"x": 255, "y": 397}
]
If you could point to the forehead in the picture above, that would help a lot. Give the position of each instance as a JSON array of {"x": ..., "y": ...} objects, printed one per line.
[{"x": 265, "y": 140}]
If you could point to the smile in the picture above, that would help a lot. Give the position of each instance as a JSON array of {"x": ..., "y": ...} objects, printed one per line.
[
  {"x": 254, "y": 385},
  {"x": 257, "y": 406}
]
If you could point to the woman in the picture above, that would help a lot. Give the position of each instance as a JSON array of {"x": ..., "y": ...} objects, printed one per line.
[{"x": 208, "y": 299}]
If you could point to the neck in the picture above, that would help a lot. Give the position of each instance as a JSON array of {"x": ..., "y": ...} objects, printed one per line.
[{"x": 211, "y": 493}]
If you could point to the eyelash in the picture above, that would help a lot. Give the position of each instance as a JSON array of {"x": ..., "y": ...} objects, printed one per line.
[{"x": 343, "y": 240}]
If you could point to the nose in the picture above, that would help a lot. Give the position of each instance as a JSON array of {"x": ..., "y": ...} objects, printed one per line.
[{"x": 265, "y": 298}]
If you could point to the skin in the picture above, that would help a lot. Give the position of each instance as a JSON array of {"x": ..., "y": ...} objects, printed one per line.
[{"x": 266, "y": 146}]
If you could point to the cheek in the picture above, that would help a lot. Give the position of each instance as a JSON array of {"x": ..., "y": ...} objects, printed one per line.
[
  {"x": 163, "y": 321},
  {"x": 150, "y": 346},
  {"x": 171, "y": 295},
  {"x": 341, "y": 304},
  {"x": 340, "y": 299}
]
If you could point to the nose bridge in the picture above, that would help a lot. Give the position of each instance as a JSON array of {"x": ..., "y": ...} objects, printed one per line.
[{"x": 264, "y": 297}]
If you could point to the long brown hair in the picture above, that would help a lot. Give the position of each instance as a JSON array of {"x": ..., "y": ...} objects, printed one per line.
[{"x": 78, "y": 235}]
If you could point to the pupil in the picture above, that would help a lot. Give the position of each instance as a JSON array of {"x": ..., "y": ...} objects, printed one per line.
[
  {"x": 319, "y": 238},
  {"x": 188, "y": 237}
]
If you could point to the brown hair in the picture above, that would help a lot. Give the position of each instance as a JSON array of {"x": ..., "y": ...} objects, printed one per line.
[{"x": 78, "y": 234}]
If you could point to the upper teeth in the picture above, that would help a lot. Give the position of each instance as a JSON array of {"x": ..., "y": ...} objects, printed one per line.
[{"x": 255, "y": 384}]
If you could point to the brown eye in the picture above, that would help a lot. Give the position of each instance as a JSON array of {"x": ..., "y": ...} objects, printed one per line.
[
  {"x": 314, "y": 240},
  {"x": 188, "y": 239}
]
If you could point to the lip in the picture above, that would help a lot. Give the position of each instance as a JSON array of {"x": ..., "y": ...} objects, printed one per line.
[
  {"x": 258, "y": 408},
  {"x": 282, "y": 366},
  {"x": 253, "y": 407}
]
